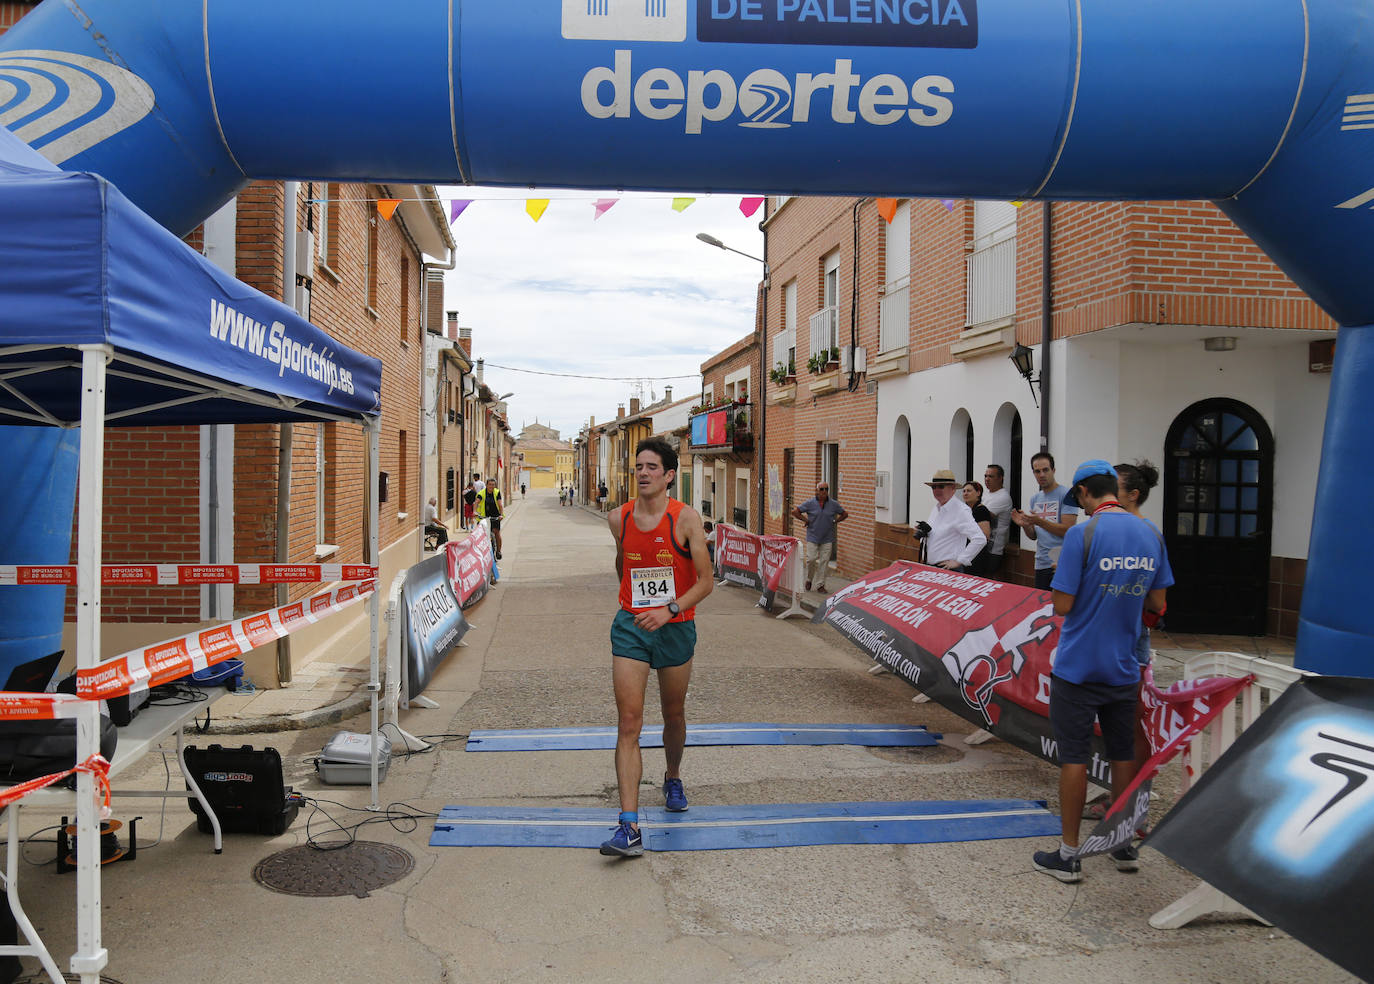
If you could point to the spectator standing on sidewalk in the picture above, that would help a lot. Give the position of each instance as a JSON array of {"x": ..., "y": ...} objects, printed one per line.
[
  {"x": 1113, "y": 569},
  {"x": 820, "y": 516},
  {"x": 973, "y": 498},
  {"x": 661, "y": 557},
  {"x": 954, "y": 537},
  {"x": 1047, "y": 520},
  {"x": 998, "y": 502}
]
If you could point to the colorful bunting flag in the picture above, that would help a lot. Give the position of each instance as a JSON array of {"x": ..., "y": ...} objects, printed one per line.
[
  {"x": 887, "y": 208},
  {"x": 948, "y": 203},
  {"x": 535, "y": 207},
  {"x": 681, "y": 204},
  {"x": 455, "y": 208},
  {"x": 750, "y": 205},
  {"x": 386, "y": 207},
  {"x": 1017, "y": 204},
  {"x": 601, "y": 206}
]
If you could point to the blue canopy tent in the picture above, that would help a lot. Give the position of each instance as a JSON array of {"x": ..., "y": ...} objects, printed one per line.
[{"x": 108, "y": 318}]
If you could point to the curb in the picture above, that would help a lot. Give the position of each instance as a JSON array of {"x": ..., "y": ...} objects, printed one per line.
[{"x": 330, "y": 714}]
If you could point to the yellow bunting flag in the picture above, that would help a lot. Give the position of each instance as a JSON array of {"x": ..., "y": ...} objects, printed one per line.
[
  {"x": 887, "y": 208},
  {"x": 387, "y": 207},
  {"x": 680, "y": 204},
  {"x": 1017, "y": 204},
  {"x": 535, "y": 207}
]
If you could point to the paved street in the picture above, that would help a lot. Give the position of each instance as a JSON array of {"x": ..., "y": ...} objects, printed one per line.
[{"x": 538, "y": 657}]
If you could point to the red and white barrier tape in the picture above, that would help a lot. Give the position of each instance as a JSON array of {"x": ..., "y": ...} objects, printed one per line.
[
  {"x": 17, "y": 706},
  {"x": 95, "y": 765},
  {"x": 171, "y": 574},
  {"x": 150, "y": 666}
]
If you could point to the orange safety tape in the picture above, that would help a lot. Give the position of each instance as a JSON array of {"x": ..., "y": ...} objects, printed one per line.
[
  {"x": 170, "y": 660},
  {"x": 96, "y": 765}
]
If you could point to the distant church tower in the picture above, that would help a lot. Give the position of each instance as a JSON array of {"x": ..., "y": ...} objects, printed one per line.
[{"x": 536, "y": 431}]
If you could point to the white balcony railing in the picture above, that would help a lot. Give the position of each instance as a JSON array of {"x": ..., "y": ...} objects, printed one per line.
[
  {"x": 992, "y": 283},
  {"x": 894, "y": 319},
  {"x": 825, "y": 328}
]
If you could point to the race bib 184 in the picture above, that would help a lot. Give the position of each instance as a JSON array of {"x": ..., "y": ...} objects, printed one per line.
[{"x": 651, "y": 587}]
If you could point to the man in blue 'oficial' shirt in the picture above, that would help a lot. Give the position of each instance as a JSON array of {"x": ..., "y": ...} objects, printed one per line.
[{"x": 1111, "y": 570}]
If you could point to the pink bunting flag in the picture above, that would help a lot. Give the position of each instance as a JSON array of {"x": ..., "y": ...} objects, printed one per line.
[
  {"x": 602, "y": 206},
  {"x": 456, "y": 207},
  {"x": 535, "y": 207},
  {"x": 750, "y": 205}
]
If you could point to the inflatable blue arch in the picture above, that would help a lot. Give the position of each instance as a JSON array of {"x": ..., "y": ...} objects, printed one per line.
[{"x": 1265, "y": 108}]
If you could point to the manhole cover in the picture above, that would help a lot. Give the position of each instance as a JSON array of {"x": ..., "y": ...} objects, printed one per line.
[{"x": 357, "y": 869}]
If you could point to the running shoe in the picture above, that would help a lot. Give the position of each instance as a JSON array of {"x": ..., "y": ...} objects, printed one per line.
[
  {"x": 1126, "y": 858},
  {"x": 626, "y": 842},
  {"x": 1056, "y": 865},
  {"x": 674, "y": 799}
]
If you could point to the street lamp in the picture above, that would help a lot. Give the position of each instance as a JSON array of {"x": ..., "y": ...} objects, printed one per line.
[
  {"x": 711, "y": 240},
  {"x": 762, "y": 392},
  {"x": 505, "y": 396},
  {"x": 1023, "y": 359}
]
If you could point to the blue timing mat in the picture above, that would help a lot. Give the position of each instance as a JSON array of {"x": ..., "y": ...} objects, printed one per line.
[
  {"x": 577, "y": 739},
  {"x": 716, "y": 828}
]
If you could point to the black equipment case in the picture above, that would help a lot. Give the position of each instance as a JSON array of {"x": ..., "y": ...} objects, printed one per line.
[{"x": 245, "y": 788}]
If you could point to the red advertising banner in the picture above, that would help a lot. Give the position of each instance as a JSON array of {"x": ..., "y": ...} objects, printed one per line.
[
  {"x": 754, "y": 561},
  {"x": 737, "y": 557},
  {"x": 470, "y": 563},
  {"x": 984, "y": 649}
]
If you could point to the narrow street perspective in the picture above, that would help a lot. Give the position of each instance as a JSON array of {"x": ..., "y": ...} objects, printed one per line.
[{"x": 538, "y": 656}]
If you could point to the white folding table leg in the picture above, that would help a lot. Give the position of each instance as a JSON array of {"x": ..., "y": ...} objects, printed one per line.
[
  {"x": 35, "y": 947},
  {"x": 195, "y": 788}
]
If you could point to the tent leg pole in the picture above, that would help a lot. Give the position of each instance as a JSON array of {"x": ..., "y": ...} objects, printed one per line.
[
  {"x": 372, "y": 431},
  {"x": 90, "y": 957}
]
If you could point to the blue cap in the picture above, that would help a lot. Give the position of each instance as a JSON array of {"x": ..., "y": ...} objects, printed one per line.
[{"x": 1094, "y": 466}]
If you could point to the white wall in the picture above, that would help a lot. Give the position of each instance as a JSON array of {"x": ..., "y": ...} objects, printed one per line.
[{"x": 1114, "y": 395}]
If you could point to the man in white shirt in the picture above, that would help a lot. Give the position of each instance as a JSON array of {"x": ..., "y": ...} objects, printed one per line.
[
  {"x": 998, "y": 502},
  {"x": 954, "y": 538},
  {"x": 433, "y": 525}
]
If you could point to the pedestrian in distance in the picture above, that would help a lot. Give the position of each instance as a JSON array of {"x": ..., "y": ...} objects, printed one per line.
[
  {"x": 665, "y": 572},
  {"x": 1112, "y": 575},
  {"x": 522, "y": 490},
  {"x": 820, "y": 514}
]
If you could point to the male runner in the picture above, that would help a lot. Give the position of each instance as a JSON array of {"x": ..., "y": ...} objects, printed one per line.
[{"x": 660, "y": 555}]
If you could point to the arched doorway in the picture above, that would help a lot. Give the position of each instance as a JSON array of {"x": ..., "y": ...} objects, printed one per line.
[
  {"x": 1218, "y": 505},
  {"x": 961, "y": 445},
  {"x": 901, "y": 472}
]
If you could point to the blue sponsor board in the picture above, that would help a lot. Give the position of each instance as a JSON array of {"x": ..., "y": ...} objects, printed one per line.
[{"x": 889, "y": 23}]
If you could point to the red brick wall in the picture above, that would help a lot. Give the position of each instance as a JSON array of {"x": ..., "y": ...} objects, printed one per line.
[
  {"x": 800, "y": 236},
  {"x": 11, "y": 11},
  {"x": 743, "y": 354},
  {"x": 152, "y": 480}
]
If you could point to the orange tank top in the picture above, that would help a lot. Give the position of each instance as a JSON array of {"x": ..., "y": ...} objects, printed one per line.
[{"x": 655, "y": 568}]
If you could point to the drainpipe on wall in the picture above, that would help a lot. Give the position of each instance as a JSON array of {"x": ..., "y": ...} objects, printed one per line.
[
  {"x": 761, "y": 457},
  {"x": 1046, "y": 322},
  {"x": 290, "y": 190}
]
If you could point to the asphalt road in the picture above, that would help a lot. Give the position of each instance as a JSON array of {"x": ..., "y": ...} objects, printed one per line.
[{"x": 538, "y": 657}]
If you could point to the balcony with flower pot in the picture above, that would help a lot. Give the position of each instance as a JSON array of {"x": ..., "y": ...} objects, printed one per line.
[
  {"x": 722, "y": 428},
  {"x": 784, "y": 380}
]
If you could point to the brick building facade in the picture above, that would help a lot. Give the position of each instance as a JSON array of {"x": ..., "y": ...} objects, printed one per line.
[{"x": 1174, "y": 339}]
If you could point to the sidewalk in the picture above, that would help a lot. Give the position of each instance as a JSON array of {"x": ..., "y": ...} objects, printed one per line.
[
  {"x": 324, "y": 692},
  {"x": 321, "y": 691}
]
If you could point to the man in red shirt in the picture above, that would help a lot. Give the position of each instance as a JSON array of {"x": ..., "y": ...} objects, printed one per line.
[{"x": 664, "y": 568}]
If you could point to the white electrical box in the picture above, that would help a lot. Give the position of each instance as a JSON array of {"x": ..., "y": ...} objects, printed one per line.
[
  {"x": 859, "y": 359},
  {"x": 305, "y": 254}
]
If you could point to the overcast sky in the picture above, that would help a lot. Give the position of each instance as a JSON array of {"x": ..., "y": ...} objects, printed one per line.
[{"x": 631, "y": 294}]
